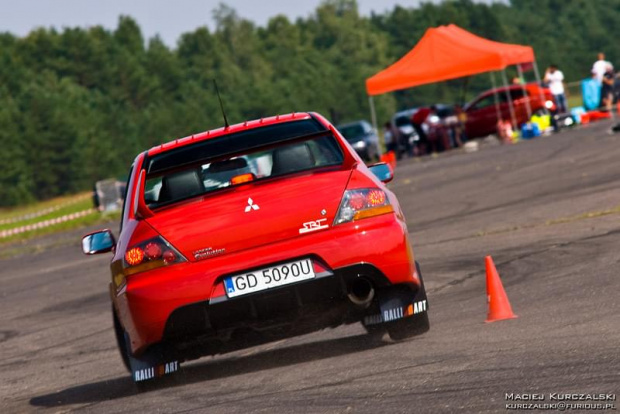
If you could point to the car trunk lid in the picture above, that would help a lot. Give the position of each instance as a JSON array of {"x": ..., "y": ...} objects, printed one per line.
[{"x": 252, "y": 215}]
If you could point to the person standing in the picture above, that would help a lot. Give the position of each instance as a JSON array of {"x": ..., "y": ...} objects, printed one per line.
[
  {"x": 607, "y": 89},
  {"x": 555, "y": 79},
  {"x": 461, "y": 117},
  {"x": 418, "y": 121},
  {"x": 599, "y": 68}
]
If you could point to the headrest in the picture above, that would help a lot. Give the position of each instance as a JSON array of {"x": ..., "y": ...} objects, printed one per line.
[
  {"x": 295, "y": 157},
  {"x": 181, "y": 185}
]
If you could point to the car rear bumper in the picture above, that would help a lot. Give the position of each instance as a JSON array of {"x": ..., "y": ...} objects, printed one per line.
[
  {"x": 206, "y": 328},
  {"x": 149, "y": 300}
]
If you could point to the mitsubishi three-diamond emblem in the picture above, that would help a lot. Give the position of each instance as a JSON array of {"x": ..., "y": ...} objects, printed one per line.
[{"x": 251, "y": 206}]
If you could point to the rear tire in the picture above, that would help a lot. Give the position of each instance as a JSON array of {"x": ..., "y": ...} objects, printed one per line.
[
  {"x": 120, "y": 340},
  {"x": 409, "y": 327},
  {"x": 375, "y": 332}
]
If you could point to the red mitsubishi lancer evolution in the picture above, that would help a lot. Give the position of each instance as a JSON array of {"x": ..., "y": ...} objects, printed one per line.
[{"x": 251, "y": 233}]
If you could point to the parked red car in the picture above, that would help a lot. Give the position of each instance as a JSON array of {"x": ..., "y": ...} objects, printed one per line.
[
  {"x": 482, "y": 112},
  {"x": 251, "y": 233}
]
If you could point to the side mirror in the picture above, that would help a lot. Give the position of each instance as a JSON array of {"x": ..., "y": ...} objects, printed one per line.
[
  {"x": 383, "y": 171},
  {"x": 98, "y": 242}
]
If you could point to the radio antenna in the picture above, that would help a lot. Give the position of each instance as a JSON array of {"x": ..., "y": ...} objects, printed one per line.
[{"x": 221, "y": 104}]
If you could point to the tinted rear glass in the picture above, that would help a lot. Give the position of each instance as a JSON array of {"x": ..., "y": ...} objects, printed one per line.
[
  {"x": 271, "y": 152},
  {"x": 230, "y": 144}
]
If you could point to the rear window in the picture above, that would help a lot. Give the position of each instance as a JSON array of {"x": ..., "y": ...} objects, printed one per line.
[
  {"x": 489, "y": 100},
  {"x": 221, "y": 162}
]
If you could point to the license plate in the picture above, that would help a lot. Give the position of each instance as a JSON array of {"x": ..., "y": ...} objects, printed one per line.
[{"x": 269, "y": 277}]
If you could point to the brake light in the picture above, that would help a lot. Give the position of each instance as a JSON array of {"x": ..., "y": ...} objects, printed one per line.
[
  {"x": 169, "y": 256},
  {"x": 242, "y": 178},
  {"x": 134, "y": 256},
  {"x": 362, "y": 203},
  {"x": 357, "y": 201},
  {"x": 153, "y": 251},
  {"x": 375, "y": 198},
  {"x": 151, "y": 254}
]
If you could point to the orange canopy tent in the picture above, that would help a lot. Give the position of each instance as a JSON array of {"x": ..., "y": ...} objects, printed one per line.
[
  {"x": 511, "y": 54},
  {"x": 443, "y": 53}
]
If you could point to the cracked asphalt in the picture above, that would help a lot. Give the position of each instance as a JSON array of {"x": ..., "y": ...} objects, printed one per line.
[{"x": 547, "y": 210}]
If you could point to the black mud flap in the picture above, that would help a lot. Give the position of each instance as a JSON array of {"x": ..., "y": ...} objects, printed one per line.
[
  {"x": 152, "y": 364},
  {"x": 397, "y": 302}
]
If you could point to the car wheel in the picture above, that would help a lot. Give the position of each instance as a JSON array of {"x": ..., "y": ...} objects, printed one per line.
[
  {"x": 120, "y": 340},
  {"x": 375, "y": 332},
  {"x": 158, "y": 384},
  {"x": 409, "y": 327}
]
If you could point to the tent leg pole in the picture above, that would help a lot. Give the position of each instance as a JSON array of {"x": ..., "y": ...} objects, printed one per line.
[
  {"x": 373, "y": 113},
  {"x": 525, "y": 95},
  {"x": 509, "y": 98},
  {"x": 373, "y": 118},
  {"x": 540, "y": 91},
  {"x": 497, "y": 111}
]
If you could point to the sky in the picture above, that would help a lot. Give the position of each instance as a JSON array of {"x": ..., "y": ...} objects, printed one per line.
[{"x": 167, "y": 18}]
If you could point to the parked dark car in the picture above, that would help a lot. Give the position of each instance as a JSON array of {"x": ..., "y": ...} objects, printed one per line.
[{"x": 362, "y": 138}]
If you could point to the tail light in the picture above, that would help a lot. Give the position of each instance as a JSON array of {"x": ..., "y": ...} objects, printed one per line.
[
  {"x": 242, "y": 178},
  {"x": 362, "y": 203},
  {"x": 151, "y": 254}
]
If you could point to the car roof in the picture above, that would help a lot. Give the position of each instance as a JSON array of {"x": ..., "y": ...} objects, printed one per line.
[
  {"x": 406, "y": 112},
  {"x": 214, "y": 133},
  {"x": 531, "y": 86}
]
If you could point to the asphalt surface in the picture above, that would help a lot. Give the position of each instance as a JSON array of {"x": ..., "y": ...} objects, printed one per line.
[{"x": 547, "y": 210}]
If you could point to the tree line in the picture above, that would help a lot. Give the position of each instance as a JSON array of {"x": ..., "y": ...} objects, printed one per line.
[{"x": 77, "y": 105}]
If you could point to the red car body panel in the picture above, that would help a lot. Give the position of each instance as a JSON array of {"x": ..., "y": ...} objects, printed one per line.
[
  {"x": 279, "y": 217},
  {"x": 149, "y": 298},
  {"x": 145, "y": 301},
  {"x": 482, "y": 112}
]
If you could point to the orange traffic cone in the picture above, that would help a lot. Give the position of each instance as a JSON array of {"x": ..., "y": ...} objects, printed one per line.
[
  {"x": 392, "y": 159},
  {"x": 389, "y": 158},
  {"x": 499, "y": 307}
]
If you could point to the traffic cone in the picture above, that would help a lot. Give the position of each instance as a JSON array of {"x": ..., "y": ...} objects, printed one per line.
[
  {"x": 389, "y": 158},
  {"x": 499, "y": 306},
  {"x": 392, "y": 159}
]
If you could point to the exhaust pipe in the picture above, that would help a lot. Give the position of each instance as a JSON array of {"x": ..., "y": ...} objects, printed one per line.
[{"x": 361, "y": 292}]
